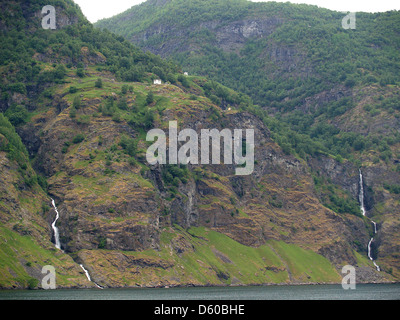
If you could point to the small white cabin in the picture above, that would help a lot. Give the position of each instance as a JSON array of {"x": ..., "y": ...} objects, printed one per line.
[
  {"x": 186, "y": 74},
  {"x": 157, "y": 81}
]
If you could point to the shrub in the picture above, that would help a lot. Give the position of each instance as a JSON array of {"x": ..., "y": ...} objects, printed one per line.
[
  {"x": 171, "y": 78},
  {"x": 350, "y": 83},
  {"x": 60, "y": 72},
  {"x": 108, "y": 108},
  {"x": 48, "y": 93},
  {"x": 83, "y": 119},
  {"x": 122, "y": 104},
  {"x": 78, "y": 138},
  {"x": 172, "y": 174},
  {"x": 77, "y": 102},
  {"x": 42, "y": 182},
  {"x": 124, "y": 89},
  {"x": 80, "y": 72},
  {"x": 72, "y": 113},
  {"x": 102, "y": 242},
  {"x": 116, "y": 117},
  {"x": 182, "y": 79},
  {"x": 148, "y": 119},
  {"x": 18, "y": 87},
  {"x": 98, "y": 83},
  {"x": 129, "y": 145},
  {"x": 17, "y": 114},
  {"x": 150, "y": 98},
  {"x": 32, "y": 283},
  {"x": 394, "y": 188}
]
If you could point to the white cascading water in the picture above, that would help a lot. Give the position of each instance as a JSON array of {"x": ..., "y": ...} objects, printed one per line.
[
  {"x": 57, "y": 240},
  {"x": 88, "y": 277},
  {"x": 362, "y": 204},
  {"x": 53, "y": 225},
  {"x": 86, "y": 272},
  {"x": 361, "y": 194}
]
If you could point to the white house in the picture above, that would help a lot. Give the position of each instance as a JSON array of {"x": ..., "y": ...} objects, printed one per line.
[
  {"x": 186, "y": 74},
  {"x": 157, "y": 81}
]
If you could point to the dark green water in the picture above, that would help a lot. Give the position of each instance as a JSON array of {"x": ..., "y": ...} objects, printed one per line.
[{"x": 306, "y": 292}]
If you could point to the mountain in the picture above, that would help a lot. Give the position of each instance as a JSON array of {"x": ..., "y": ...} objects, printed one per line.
[
  {"x": 331, "y": 92},
  {"x": 295, "y": 61},
  {"x": 76, "y": 106}
]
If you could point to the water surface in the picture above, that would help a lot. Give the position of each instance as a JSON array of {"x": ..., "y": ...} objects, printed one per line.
[{"x": 301, "y": 292}]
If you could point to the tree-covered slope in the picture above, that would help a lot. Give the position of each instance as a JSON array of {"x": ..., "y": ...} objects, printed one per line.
[
  {"x": 296, "y": 61},
  {"x": 266, "y": 43}
]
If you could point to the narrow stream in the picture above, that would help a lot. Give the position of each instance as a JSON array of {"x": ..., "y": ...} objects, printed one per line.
[
  {"x": 58, "y": 244},
  {"x": 364, "y": 211},
  {"x": 53, "y": 225},
  {"x": 88, "y": 277}
]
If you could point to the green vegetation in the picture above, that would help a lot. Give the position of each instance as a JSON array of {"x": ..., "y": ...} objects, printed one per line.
[
  {"x": 14, "y": 273},
  {"x": 187, "y": 13},
  {"x": 392, "y": 188},
  {"x": 129, "y": 145},
  {"x": 78, "y": 138},
  {"x": 125, "y": 60},
  {"x": 334, "y": 198},
  {"x": 217, "y": 259},
  {"x": 17, "y": 114},
  {"x": 173, "y": 174},
  {"x": 150, "y": 98},
  {"x": 99, "y": 83},
  {"x": 333, "y": 56},
  {"x": 100, "y": 112},
  {"x": 11, "y": 143}
]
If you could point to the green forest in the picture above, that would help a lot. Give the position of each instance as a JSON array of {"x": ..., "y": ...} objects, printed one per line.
[{"x": 333, "y": 57}]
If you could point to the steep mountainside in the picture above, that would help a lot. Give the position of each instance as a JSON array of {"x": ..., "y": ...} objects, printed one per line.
[
  {"x": 77, "y": 104},
  {"x": 295, "y": 61},
  {"x": 332, "y": 92}
]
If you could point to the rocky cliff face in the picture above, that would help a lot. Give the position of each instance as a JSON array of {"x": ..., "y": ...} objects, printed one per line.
[
  {"x": 229, "y": 37},
  {"x": 274, "y": 43},
  {"x": 108, "y": 211},
  {"x": 26, "y": 233},
  {"x": 135, "y": 224}
]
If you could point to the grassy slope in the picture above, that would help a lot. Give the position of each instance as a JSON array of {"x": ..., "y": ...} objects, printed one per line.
[
  {"x": 211, "y": 258},
  {"x": 22, "y": 259}
]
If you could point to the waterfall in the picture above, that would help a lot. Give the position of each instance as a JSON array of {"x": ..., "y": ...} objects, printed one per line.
[
  {"x": 374, "y": 226},
  {"x": 53, "y": 225},
  {"x": 361, "y": 194},
  {"x": 88, "y": 276},
  {"x": 363, "y": 210},
  {"x": 86, "y": 272},
  {"x": 58, "y": 244}
]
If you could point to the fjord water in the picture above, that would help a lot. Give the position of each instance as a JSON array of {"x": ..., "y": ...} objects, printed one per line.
[{"x": 299, "y": 292}]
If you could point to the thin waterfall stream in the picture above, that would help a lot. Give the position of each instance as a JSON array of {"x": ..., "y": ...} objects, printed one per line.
[
  {"x": 58, "y": 244},
  {"x": 53, "y": 225},
  {"x": 88, "y": 276},
  {"x": 364, "y": 211}
]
